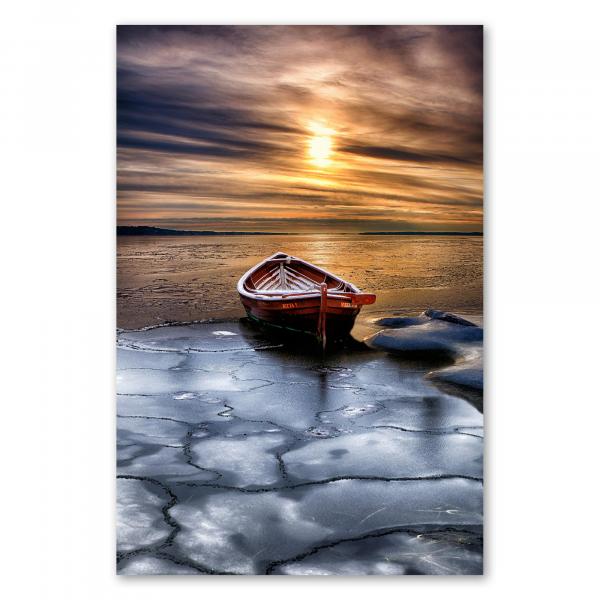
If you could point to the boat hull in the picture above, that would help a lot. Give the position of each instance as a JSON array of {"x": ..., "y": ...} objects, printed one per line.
[{"x": 303, "y": 315}]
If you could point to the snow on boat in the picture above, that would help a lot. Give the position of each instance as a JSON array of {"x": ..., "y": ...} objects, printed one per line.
[{"x": 290, "y": 293}]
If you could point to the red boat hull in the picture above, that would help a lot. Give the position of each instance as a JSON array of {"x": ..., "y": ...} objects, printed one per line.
[{"x": 302, "y": 315}]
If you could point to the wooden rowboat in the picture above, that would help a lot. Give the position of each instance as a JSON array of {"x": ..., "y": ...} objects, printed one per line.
[{"x": 288, "y": 292}]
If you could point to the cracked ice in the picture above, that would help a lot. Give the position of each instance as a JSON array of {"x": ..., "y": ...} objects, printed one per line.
[{"x": 240, "y": 455}]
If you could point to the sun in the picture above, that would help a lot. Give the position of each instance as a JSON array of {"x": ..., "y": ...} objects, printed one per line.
[
  {"x": 320, "y": 145},
  {"x": 319, "y": 149}
]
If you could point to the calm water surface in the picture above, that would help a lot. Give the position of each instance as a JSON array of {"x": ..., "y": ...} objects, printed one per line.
[{"x": 162, "y": 279}]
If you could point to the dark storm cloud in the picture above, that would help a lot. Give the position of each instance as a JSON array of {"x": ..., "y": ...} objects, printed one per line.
[{"x": 403, "y": 155}]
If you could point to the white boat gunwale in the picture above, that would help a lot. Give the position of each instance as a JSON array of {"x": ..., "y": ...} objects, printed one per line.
[{"x": 278, "y": 295}]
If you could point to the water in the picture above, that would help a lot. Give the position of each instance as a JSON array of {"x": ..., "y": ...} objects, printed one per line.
[{"x": 161, "y": 279}]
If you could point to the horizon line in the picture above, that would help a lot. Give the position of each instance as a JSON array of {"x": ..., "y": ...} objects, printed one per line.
[{"x": 168, "y": 231}]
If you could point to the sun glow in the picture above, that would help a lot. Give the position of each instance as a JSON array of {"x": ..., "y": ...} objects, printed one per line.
[{"x": 320, "y": 145}]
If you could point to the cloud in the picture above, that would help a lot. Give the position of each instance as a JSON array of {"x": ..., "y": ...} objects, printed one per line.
[
  {"x": 216, "y": 119},
  {"x": 402, "y": 154}
]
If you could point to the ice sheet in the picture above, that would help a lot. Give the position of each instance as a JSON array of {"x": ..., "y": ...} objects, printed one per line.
[{"x": 240, "y": 455}]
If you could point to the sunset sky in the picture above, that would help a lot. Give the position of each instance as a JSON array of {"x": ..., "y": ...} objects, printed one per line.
[{"x": 300, "y": 129}]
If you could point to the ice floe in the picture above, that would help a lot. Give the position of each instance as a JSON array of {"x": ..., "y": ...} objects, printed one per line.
[
  {"x": 148, "y": 565},
  {"x": 447, "y": 553},
  {"x": 389, "y": 453},
  {"x": 140, "y": 522},
  {"x": 436, "y": 333}
]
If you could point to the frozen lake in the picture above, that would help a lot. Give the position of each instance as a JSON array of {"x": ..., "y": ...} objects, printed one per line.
[
  {"x": 239, "y": 453},
  {"x": 166, "y": 279}
]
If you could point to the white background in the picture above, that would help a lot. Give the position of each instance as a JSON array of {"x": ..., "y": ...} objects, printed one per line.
[{"x": 57, "y": 133}]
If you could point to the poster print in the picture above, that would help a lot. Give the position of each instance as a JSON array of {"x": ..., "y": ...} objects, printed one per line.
[{"x": 299, "y": 300}]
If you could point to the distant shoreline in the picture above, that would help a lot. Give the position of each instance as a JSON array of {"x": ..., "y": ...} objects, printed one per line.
[
  {"x": 144, "y": 230},
  {"x": 462, "y": 233}
]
